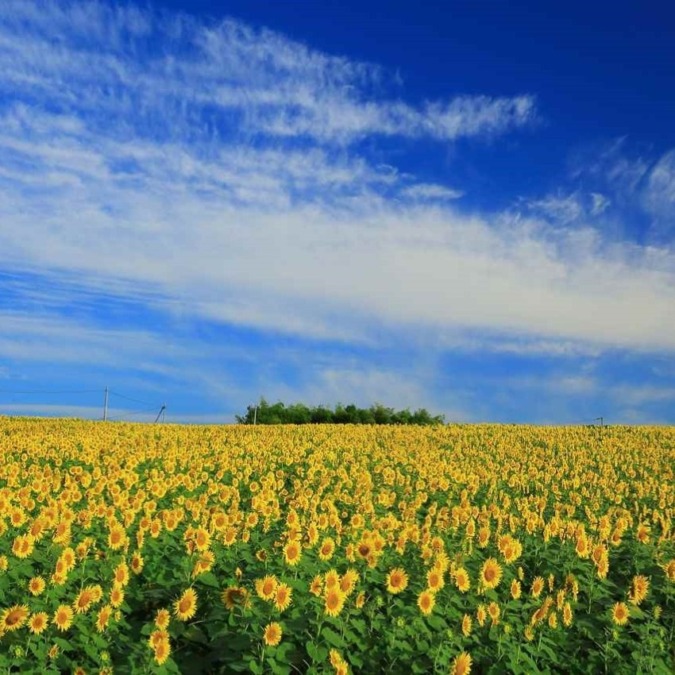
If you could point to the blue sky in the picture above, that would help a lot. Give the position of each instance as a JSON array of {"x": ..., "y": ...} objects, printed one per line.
[{"x": 466, "y": 206}]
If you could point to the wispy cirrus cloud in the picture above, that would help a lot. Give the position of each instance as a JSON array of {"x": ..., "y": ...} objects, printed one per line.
[{"x": 212, "y": 78}]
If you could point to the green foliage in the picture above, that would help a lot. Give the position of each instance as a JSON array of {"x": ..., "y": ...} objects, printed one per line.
[{"x": 299, "y": 413}]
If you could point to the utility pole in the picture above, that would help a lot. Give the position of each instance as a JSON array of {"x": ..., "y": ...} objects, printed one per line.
[
  {"x": 160, "y": 413},
  {"x": 105, "y": 405},
  {"x": 602, "y": 421},
  {"x": 255, "y": 414}
]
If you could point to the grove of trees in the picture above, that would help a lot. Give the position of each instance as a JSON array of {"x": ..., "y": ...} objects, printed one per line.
[{"x": 299, "y": 413}]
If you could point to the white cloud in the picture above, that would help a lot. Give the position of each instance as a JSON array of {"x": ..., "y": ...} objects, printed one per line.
[
  {"x": 213, "y": 178},
  {"x": 218, "y": 76},
  {"x": 354, "y": 381},
  {"x": 576, "y": 385},
  {"x": 659, "y": 195},
  {"x": 564, "y": 209},
  {"x": 327, "y": 261},
  {"x": 600, "y": 203},
  {"x": 39, "y": 337},
  {"x": 632, "y": 395},
  {"x": 424, "y": 191},
  {"x": 615, "y": 165},
  {"x": 568, "y": 209}
]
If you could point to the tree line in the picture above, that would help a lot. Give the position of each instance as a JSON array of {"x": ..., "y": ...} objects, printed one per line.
[{"x": 299, "y": 413}]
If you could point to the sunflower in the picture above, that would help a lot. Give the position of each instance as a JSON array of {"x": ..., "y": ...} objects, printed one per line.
[
  {"x": 462, "y": 580},
  {"x": 461, "y": 664},
  {"x": 63, "y": 617},
  {"x": 202, "y": 539},
  {"x": 282, "y": 598},
  {"x": 96, "y": 592},
  {"x": 162, "y": 651},
  {"x": 137, "y": 563},
  {"x": 316, "y": 587},
  {"x": 334, "y": 601},
  {"x": 23, "y": 545},
  {"x": 620, "y": 614},
  {"x": 537, "y": 587},
  {"x": 615, "y": 538},
  {"x": 83, "y": 601},
  {"x": 642, "y": 534},
  {"x": 397, "y": 580},
  {"x": 515, "y": 589},
  {"x": 541, "y": 613},
  {"x": 230, "y": 536},
  {"x": 348, "y": 581},
  {"x": 162, "y": 619},
  {"x": 364, "y": 549},
  {"x": 639, "y": 590},
  {"x": 426, "y": 601},
  {"x": 186, "y": 606},
  {"x": 292, "y": 553},
  {"x": 103, "y": 617},
  {"x": 233, "y": 596},
  {"x": 491, "y": 573},
  {"x": 156, "y": 528},
  {"x": 36, "y": 585},
  {"x": 466, "y": 625},
  {"x": 435, "y": 580},
  {"x": 669, "y": 569},
  {"x": 598, "y": 552},
  {"x": 272, "y": 634},
  {"x": 327, "y": 549},
  {"x": 512, "y": 551},
  {"x": 68, "y": 557},
  {"x": 335, "y": 658},
  {"x": 117, "y": 537},
  {"x": 204, "y": 563},
  {"x": 471, "y": 529},
  {"x": 13, "y": 618},
  {"x": 602, "y": 568},
  {"x": 340, "y": 666},
  {"x": 481, "y": 615},
  {"x": 156, "y": 637},
  {"x": 567, "y": 614},
  {"x": 266, "y": 587},
  {"x": 121, "y": 574},
  {"x": 116, "y": 596},
  {"x": 38, "y": 623},
  {"x": 494, "y": 612},
  {"x": 331, "y": 579},
  {"x": 582, "y": 546}
]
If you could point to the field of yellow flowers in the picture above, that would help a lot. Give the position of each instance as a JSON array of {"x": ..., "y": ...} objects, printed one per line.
[{"x": 321, "y": 549}]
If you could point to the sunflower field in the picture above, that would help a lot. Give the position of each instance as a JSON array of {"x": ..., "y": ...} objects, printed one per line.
[{"x": 335, "y": 549}]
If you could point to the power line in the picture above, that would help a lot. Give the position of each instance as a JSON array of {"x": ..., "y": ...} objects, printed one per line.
[
  {"x": 133, "y": 413},
  {"x": 129, "y": 398},
  {"x": 63, "y": 392}
]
